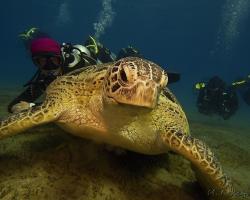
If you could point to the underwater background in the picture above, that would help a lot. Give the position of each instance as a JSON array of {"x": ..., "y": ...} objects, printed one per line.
[{"x": 198, "y": 39}]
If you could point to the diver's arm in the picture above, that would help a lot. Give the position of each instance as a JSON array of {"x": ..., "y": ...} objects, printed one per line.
[{"x": 29, "y": 95}]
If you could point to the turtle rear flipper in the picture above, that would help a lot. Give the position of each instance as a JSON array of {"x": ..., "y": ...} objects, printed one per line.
[
  {"x": 208, "y": 170},
  {"x": 22, "y": 121}
]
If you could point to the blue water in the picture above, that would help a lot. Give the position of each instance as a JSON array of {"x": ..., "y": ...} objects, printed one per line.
[{"x": 199, "y": 39}]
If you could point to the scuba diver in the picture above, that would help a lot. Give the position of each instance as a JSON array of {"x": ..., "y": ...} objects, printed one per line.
[
  {"x": 53, "y": 59},
  {"x": 51, "y": 62},
  {"x": 104, "y": 55},
  {"x": 215, "y": 97}
]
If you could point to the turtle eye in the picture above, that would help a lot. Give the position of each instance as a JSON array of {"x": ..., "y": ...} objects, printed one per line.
[{"x": 123, "y": 75}]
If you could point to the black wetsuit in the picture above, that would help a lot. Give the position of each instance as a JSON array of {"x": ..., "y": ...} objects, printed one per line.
[
  {"x": 36, "y": 87},
  {"x": 217, "y": 98}
]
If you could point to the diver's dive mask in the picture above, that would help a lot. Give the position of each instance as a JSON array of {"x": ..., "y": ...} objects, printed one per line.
[{"x": 47, "y": 61}]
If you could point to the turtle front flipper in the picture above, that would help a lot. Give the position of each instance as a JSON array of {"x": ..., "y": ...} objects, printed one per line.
[
  {"x": 22, "y": 121},
  {"x": 208, "y": 170}
]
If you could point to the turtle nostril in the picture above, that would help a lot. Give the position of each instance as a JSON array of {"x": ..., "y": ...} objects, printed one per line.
[{"x": 123, "y": 75}]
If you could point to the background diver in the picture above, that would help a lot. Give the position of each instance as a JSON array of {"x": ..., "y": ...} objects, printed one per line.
[
  {"x": 216, "y": 97},
  {"x": 53, "y": 59}
]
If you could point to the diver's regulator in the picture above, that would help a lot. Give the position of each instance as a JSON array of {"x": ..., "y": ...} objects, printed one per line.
[{"x": 76, "y": 55}]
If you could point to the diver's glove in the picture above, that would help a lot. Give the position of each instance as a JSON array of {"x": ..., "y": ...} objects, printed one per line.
[{"x": 21, "y": 106}]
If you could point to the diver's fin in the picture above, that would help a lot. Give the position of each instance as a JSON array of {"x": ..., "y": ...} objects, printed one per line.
[{"x": 173, "y": 77}]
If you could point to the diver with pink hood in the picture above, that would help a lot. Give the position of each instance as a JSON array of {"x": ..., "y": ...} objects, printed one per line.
[{"x": 53, "y": 59}]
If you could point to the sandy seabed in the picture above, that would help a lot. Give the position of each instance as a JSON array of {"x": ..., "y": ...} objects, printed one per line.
[{"x": 47, "y": 163}]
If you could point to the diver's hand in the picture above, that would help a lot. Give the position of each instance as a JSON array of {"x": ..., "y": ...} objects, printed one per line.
[{"x": 21, "y": 106}]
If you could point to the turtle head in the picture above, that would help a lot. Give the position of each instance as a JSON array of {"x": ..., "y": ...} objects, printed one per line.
[{"x": 134, "y": 81}]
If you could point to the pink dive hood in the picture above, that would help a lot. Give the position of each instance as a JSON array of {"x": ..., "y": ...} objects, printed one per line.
[{"x": 45, "y": 45}]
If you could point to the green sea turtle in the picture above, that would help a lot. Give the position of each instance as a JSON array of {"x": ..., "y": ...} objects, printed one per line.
[{"x": 125, "y": 104}]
